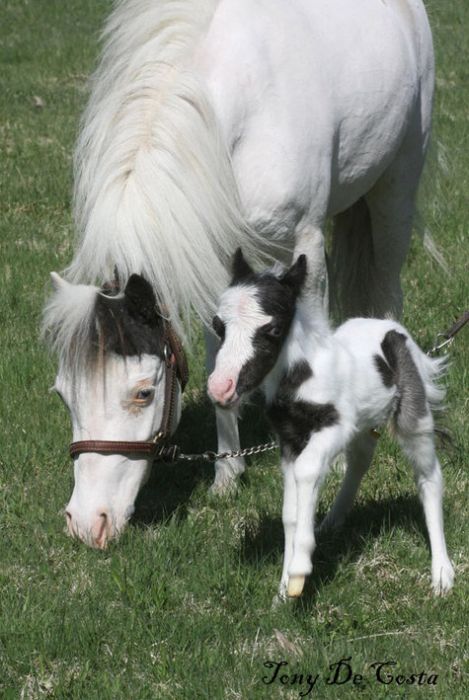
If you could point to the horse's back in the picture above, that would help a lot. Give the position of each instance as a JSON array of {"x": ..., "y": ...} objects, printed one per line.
[{"x": 313, "y": 98}]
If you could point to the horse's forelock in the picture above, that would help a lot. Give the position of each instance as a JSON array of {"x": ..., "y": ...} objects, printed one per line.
[{"x": 82, "y": 323}]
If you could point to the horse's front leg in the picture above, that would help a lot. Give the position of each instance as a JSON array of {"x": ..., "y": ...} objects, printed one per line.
[
  {"x": 309, "y": 240},
  {"x": 226, "y": 470}
]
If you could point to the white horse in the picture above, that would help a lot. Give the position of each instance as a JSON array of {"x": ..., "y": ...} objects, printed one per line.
[{"x": 214, "y": 124}]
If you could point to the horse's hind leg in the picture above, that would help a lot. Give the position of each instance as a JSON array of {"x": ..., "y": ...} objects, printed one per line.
[{"x": 371, "y": 239}]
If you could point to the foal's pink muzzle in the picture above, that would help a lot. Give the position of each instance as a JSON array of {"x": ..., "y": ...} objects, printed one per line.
[{"x": 222, "y": 390}]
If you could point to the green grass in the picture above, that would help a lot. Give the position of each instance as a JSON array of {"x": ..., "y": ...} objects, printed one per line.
[{"x": 181, "y": 606}]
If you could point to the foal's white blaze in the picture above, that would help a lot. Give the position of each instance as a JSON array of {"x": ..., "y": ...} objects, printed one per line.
[
  {"x": 242, "y": 315},
  {"x": 106, "y": 406}
]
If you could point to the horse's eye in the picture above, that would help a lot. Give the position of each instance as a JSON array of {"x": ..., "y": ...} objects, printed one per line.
[
  {"x": 218, "y": 327},
  {"x": 144, "y": 394}
]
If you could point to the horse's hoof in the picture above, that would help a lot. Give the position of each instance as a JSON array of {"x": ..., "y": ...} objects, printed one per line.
[{"x": 295, "y": 586}]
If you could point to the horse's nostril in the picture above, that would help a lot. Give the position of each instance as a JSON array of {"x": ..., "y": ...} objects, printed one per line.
[
  {"x": 101, "y": 530},
  {"x": 69, "y": 519}
]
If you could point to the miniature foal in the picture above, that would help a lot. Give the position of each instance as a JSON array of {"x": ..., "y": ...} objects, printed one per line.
[{"x": 325, "y": 392}]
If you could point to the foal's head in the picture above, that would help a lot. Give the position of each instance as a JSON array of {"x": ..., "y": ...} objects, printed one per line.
[
  {"x": 252, "y": 323},
  {"x": 111, "y": 377}
]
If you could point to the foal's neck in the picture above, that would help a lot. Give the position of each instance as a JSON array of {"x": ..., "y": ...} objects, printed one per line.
[{"x": 309, "y": 330}]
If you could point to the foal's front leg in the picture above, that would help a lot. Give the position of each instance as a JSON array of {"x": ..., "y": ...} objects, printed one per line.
[
  {"x": 309, "y": 470},
  {"x": 289, "y": 521},
  {"x": 226, "y": 470}
]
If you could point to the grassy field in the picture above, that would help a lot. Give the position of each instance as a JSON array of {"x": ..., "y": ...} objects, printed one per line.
[{"x": 181, "y": 606}]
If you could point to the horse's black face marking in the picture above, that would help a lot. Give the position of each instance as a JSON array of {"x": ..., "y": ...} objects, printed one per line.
[
  {"x": 399, "y": 369},
  {"x": 277, "y": 298},
  {"x": 130, "y": 324},
  {"x": 295, "y": 420}
]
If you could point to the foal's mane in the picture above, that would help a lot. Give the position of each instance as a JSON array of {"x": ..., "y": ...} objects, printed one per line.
[{"x": 154, "y": 188}]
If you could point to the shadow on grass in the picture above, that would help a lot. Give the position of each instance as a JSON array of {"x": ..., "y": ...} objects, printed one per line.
[
  {"x": 170, "y": 487},
  {"x": 365, "y": 521}
]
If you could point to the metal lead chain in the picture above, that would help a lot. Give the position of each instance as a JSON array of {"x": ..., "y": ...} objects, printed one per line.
[
  {"x": 172, "y": 453},
  {"x": 436, "y": 348}
]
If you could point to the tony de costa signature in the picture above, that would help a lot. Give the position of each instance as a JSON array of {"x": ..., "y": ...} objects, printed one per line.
[{"x": 341, "y": 673}]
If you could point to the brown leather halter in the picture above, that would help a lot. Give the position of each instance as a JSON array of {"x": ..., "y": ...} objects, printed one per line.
[{"x": 176, "y": 368}]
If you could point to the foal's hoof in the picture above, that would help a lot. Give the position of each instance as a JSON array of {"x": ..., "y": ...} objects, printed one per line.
[
  {"x": 295, "y": 586},
  {"x": 443, "y": 578}
]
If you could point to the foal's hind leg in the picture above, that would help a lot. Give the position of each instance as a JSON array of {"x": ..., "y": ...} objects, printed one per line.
[
  {"x": 228, "y": 469},
  {"x": 420, "y": 449},
  {"x": 359, "y": 454}
]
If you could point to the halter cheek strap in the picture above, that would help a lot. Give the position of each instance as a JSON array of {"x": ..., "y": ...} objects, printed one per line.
[{"x": 176, "y": 369}]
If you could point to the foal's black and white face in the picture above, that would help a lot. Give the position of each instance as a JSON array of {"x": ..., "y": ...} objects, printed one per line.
[{"x": 252, "y": 322}]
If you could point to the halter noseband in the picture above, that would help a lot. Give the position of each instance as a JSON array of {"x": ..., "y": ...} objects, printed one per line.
[{"x": 176, "y": 368}]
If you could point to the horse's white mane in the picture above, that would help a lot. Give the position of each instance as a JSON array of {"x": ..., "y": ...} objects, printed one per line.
[{"x": 154, "y": 188}]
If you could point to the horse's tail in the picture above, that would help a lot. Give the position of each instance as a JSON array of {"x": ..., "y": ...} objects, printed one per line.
[{"x": 351, "y": 262}]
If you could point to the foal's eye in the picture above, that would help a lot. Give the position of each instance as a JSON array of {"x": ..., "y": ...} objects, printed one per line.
[
  {"x": 218, "y": 327},
  {"x": 273, "y": 330},
  {"x": 144, "y": 394}
]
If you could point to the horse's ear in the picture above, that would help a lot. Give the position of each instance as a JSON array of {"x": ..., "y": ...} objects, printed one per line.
[
  {"x": 140, "y": 299},
  {"x": 57, "y": 281},
  {"x": 296, "y": 275},
  {"x": 240, "y": 267}
]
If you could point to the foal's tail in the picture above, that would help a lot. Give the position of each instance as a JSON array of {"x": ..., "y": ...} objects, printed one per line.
[{"x": 432, "y": 371}]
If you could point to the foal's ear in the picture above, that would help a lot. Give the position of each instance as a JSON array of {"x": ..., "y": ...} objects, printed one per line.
[
  {"x": 140, "y": 299},
  {"x": 241, "y": 267},
  {"x": 296, "y": 275}
]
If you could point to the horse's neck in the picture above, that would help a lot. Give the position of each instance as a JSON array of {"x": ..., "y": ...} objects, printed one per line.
[{"x": 308, "y": 332}]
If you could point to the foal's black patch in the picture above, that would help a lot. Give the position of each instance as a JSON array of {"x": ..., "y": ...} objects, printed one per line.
[
  {"x": 295, "y": 420},
  {"x": 400, "y": 370},
  {"x": 387, "y": 375},
  {"x": 219, "y": 328},
  {"x": 277, "y": 298},
  {"x": 130, "y": 324}
]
